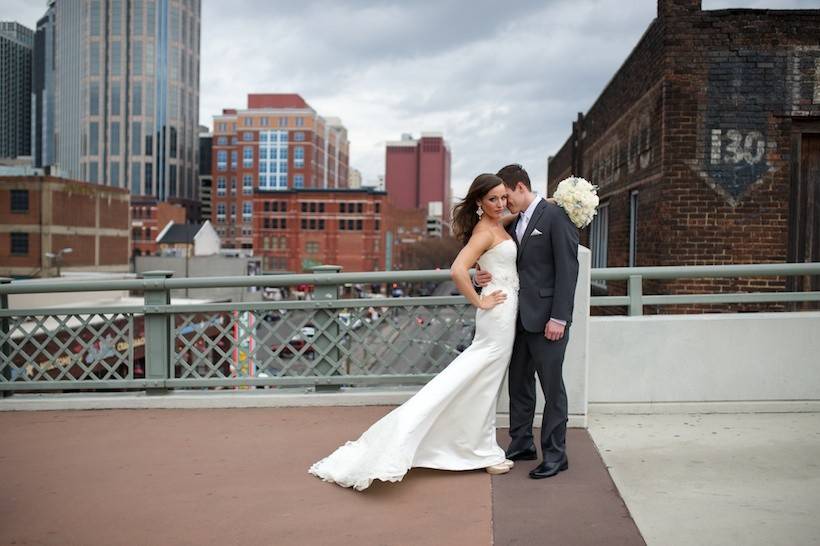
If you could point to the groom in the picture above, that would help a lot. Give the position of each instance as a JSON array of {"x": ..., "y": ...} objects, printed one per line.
[{"x": 548, "y": 271}]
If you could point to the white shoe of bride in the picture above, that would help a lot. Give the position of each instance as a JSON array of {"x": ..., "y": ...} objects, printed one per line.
[{"x": 496, "y": 469}]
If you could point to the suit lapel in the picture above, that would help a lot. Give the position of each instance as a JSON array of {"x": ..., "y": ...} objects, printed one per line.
[
  {"x": 536, "y": 215},
  {"x": 511, "y": 232}
]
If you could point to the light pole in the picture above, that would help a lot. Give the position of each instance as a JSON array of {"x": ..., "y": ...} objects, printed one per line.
[{"x": 58, "y": 258}]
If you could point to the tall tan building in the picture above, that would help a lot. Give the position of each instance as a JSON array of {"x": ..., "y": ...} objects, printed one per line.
[
  {"x": 117, "y": 100},
  {"x": 278, "y": 143}
]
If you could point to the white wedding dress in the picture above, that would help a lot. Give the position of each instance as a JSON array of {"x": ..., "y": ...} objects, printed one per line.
[{"x": 449, "y": 424}]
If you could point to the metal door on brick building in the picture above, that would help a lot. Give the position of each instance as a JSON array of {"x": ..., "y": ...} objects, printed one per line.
[{"x": 804, "y": 208}]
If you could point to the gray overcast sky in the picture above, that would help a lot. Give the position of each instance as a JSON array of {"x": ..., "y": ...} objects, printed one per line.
[{"x": 502, "y": 83}]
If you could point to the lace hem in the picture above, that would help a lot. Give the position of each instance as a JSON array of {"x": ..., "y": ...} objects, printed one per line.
[
  {"x": 339, "y": 468},
  {"x": 358, "y": 484}
]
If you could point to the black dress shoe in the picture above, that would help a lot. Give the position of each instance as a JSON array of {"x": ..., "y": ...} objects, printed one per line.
[
  {"x": 522, "y": 454},
  {"x": 547, "y": 470}
]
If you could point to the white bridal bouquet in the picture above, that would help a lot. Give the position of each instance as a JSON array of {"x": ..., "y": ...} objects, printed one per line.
[{"x": 578, "y": 198}]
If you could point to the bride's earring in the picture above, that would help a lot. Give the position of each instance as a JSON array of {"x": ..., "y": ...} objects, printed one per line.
[{"x": 479, "y": 211}]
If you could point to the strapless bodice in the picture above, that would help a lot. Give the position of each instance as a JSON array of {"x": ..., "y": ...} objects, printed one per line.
[{"x": 500, "y": 261}]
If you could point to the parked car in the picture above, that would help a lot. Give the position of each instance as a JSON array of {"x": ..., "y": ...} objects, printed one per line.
[
  {"x": 272, "y": 293},
  {"x": 272, "y": 316},
  {"x": 346, "y": 318},
  {"x": 297, "y": 342},
  {"x": 293, "y": 347}
]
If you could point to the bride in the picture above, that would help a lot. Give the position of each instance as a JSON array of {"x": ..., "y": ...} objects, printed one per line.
[{"x": 450, "y": 423}]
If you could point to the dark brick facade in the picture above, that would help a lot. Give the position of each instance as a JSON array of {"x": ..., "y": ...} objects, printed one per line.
[
  {"x": 713, "y": 120},
  {"x": 296, "y": 230}
]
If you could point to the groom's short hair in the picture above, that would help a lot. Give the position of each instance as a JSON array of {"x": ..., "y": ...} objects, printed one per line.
[{"x": 513, "y": 174}]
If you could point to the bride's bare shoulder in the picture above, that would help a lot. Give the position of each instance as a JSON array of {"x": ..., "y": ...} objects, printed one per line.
[{"x": 481, "y": 238}]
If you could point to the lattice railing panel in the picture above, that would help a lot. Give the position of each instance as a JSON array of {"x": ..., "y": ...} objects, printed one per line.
[
  {"x": 319, "y": 342},
  {"x": 68, "y": 347},
  {"x": 405, "y": 340}
]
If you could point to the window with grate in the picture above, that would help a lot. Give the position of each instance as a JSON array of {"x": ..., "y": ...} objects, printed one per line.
[
  {"x": 19, "y": 200},
  {"x": 19, "y": 244}
]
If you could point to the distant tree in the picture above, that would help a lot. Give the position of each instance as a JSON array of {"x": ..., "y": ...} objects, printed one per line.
[{"x": 431, "y": 253}]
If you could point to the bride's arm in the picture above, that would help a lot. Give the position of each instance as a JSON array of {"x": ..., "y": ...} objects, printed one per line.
[{"x": 478, "y": 244}]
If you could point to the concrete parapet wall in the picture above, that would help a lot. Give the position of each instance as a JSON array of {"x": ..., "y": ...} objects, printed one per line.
[{"x": 760, "y": 357}]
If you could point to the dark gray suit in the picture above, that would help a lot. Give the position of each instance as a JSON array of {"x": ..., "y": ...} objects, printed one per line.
[{"x": 547, "y": 272}]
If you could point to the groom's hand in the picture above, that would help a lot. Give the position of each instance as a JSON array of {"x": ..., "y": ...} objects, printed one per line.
[
  {"x": 554, "y": 330},
  {"x": 482, "y": 278}
]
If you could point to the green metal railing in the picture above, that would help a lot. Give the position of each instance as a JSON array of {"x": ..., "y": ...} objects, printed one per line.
[
  {"x": 325, "y": 342},
  {"x": 635, "y": 299}
]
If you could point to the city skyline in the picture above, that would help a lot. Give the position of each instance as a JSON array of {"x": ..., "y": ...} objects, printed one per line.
[{"x": 502, "y": 86}]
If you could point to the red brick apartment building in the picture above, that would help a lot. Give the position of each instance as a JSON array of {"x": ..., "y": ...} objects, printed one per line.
[
  {"x": 417, "y": 172},
  {"x": 706, "y": 147},
  {"x": 148, "y": 218},
  {"x": 45, "y": 214},
  {"x": 294, "y": 230},
  {"x": 277, "y": 143}
]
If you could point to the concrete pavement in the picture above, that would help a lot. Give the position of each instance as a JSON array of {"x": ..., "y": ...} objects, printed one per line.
[{"x": 751, "y": 479}]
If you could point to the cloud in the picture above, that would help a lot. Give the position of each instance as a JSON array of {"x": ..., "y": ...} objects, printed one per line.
[{"x": 503, "y": 84}]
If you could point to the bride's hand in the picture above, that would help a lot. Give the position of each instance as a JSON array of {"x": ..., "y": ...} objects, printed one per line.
[
  {"x": 552, "y": 200},
  {"x": 491, "y": 300}
]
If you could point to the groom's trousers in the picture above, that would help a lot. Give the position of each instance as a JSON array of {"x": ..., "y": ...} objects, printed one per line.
[{"x": 534, "y": 355}]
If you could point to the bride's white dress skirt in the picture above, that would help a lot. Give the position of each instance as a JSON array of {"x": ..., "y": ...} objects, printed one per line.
[{"x": 449, "y": 424}]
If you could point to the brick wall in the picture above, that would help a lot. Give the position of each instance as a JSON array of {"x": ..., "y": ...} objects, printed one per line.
[
  {"x": 701, "y": 120},
  {"x": 64, "y": 214},
  {"x": 113, "y": 212},
  {"x": 321, "y": 240}
]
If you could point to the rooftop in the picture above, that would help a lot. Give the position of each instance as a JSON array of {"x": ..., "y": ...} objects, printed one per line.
[
  {"x": 239, "y": 476},
  {"x": 227, "y": 476},
  {"x": 276, "y": 100},
  {"x": 179, "y": 234}
]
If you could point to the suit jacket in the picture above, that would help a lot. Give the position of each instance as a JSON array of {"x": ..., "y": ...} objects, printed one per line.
[{"x": 547, "y": 267}]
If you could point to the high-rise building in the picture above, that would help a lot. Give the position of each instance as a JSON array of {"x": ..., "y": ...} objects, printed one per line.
[
  {"x": 205, "y": 179},
  {"x": 16, "y": 46},
  {"x": 417, "y": 172},
  {"x": 354, "y": 179},
  {"x": 120, "y": 80},
  {"x": 336, "y": 152},
  {"x": 278, "y": 143},
  {"x": 42, "y": 92}
]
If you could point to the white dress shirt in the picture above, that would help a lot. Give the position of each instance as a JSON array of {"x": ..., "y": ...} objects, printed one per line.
[
  {"x": 524, "y": 219},
  {"x": 521, "y": 228}
]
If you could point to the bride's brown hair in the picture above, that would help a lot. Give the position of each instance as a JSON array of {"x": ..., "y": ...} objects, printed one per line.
[{"x": 464, "y": 213}]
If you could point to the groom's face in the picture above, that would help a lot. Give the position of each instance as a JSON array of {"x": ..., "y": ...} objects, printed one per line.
[{"x": 515, "y": 198}]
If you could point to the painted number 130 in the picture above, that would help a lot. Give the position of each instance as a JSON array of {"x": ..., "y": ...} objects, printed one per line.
[{"x": 739, "y": 148}]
